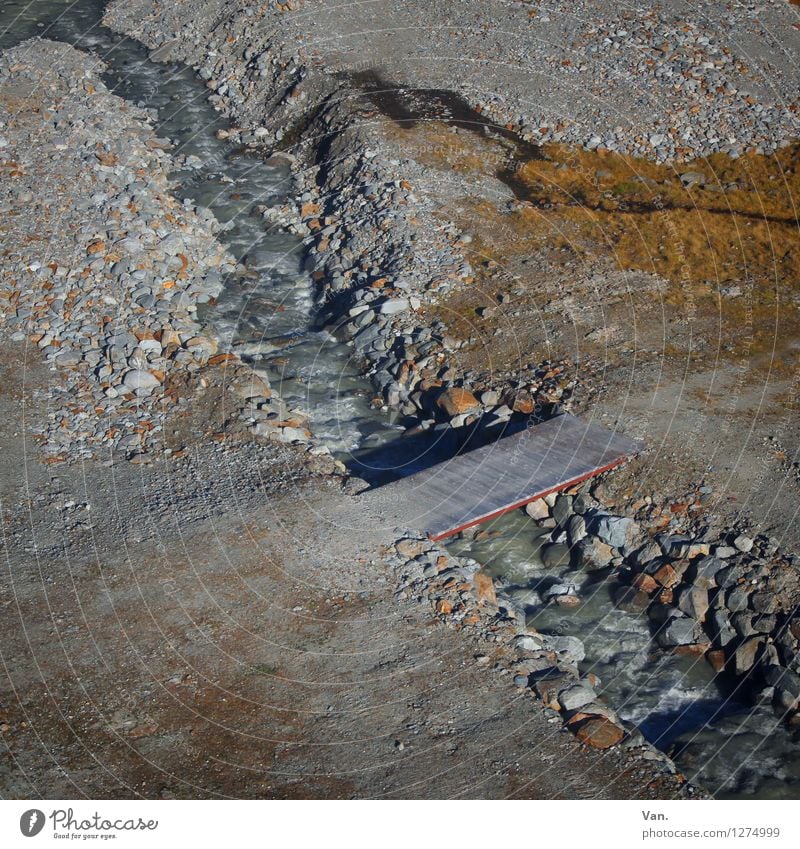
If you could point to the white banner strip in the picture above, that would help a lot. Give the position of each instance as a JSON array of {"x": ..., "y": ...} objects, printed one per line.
[{"x": 408, "y": 824}]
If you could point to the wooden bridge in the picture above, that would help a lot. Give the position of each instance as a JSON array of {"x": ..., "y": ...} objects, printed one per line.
[{"x": 478, "y": 485}]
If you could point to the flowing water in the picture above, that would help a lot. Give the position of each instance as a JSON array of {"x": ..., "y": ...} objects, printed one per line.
[{"x": 733, "y": 748}]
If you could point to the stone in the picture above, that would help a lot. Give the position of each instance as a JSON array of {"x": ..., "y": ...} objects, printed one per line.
[
  {"x": 720, "y": 626},
  {"x": 644, "y": 582},
  {"x": 562, "y": 510},
  {"x": 409, "y": 548},
  {"x": 138, "y": 379},
  {"x": 595, "y": 554},
  {"x": 743, "y": 543},
  {"x": 693, "y": 601},
  {"x": 666, "y": 575},
  {"x": 456, "y": 401},
  {"x": 598, "y": 732},
  {"x": 548, "y": 683},
  {"x": 576, "y": 529},
  {"x": 619, "y": 532},
  {"x": 649, "y": 551},
  {"x": 484, "y": 588},
  {"x": 744, "y": 658},
  {"x": 679, "y": 631},
  {"x": 570, "y": 647},
  {"x": 576, "y": 696},
  {"x": 537, "y": 509},
  {"x": 704, "y": 571},
  {"x": 525, "y": 643},
  {"x": 394, "y": 306},
  {"x": 556, "y": 555}
]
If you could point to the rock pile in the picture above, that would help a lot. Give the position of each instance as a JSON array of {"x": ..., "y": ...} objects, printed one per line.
[
  {"x": 463, "y": 596},
  {"x": 731, "y": 599}
]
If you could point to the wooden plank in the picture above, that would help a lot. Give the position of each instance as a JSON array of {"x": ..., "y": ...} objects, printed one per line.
[{"x": 479, "y": 485}]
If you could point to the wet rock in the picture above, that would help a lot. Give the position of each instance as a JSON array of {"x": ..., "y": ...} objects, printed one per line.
[
  {"x": 569, "y": 648},
  {"x": 631, "y": 599},
  {"x": 556, "y": 555},
  {"x": 679, "y": 631}
]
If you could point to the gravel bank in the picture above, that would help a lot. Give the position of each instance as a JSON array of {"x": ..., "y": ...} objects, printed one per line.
[{"x": 104, "y": 283}]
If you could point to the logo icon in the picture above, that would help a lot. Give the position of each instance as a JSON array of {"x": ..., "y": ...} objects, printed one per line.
[{"x": 31, "y": 822}]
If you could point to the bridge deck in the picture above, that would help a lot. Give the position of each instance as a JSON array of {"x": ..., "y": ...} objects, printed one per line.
[{"x": 479, "y": 485}]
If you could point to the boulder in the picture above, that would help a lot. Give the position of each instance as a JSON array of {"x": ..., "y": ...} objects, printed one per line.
[
  {"x": 570, "y": 648},
  {"x": 598, "y": 732},
  {"x": 744, "y": 658},
  {"x": 455, "y": 401},
  {"x": 679, "y": 631},
  {"x": 556, "y": 555},
  {"x": 694, "y": 602},
  {"x": 484, "y": 588},
  {"x": 576, "y": 696},
  {"x": 537, "y": 509},
  {"x": 576, "y": 529},
  {"x": 642, "y": 556},
  {"x": 720, "y": 626},
  {"x": 595, "y": 554},
  {"x": 619, "y": 532},
  {"x": 562, "y": 510}
]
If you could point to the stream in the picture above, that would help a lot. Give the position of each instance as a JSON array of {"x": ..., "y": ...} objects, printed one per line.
[{"x": 734, "y": 749}]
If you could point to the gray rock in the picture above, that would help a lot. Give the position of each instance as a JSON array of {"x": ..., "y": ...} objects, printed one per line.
[
  {"x": 571, "y": 648},
  {"x": 619, "y": 532},
  {"x": 556, "y": 555},
  {"x": 575, "y": 697},
  {"x": 744, "y": 658},
  {"x": 576, "y": 529},
  {"x": 137, "y": 379},
  {"x": 562, "y": 510},
  {"x": 679, "y": 631}
]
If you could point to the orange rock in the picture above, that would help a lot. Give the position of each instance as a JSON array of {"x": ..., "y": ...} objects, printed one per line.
[
  {"x": 96, "y": 248},
  {"x": 222, "y": 358},
  {"x": 644, "y": 582},
  {"x": 307, "y": 210},
  {"x": 456, "y": 401},
  {"x": 716, "y": 659},
  {"x": 599, "y": 732},
  {"x": 444, "y": 606},
  {"x": 523, "y": 403},
  {"x": 484, "y": 588},
  {"x": 666, "y": 576}
]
